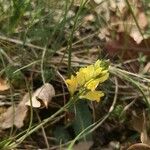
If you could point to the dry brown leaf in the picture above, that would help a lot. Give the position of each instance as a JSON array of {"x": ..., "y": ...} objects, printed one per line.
[
  {"x": 89, "y": 18},
  {"x": 142, "y": 20},
  {"x": 42, "y": 96},
  {"x": 140, "y": 123},
  {"x": 137, "y": 121},
  {"x": 14, "y": 115},
  {"x": 83, "y": 145},
  {"x": 136, "y": 35},
  {"x": 98, "y": 1},
  {"x": 121, "y": 20},
  {"x": 4, "y": 85},
  {"x": 143, "y": 23},
  {"x": 145, "y": 139},
  {"x": 139, "y": 146}
]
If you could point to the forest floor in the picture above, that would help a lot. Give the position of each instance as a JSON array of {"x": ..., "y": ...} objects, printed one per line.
[{"x": 44, "y": 43}]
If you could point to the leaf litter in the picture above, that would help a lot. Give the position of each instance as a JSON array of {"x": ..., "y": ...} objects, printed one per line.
[
  {"x": 16, "y": 115},
  {"x": 4, "y": 85},
  {"x": 134, "y": 34},
  {"x": 42, "y": 96}
]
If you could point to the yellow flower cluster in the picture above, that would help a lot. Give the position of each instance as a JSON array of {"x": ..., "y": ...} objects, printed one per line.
[{"x": 86, "y": 81}]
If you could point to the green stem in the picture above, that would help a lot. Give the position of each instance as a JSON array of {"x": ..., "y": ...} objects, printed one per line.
[
  {"x": 69, "y": 49},
  {"x": 45, "y": 121}
]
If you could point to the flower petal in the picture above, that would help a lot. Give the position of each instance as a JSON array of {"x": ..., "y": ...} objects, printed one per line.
[
  {"x": 81, "y": 78},
  {"x": 97, "y": 64},
  {"x": 92, "y": 85},
  {"x": 72, "y": 84},
  {"x": 88, "y": 72},
  {"x": 93, "y": 95}
]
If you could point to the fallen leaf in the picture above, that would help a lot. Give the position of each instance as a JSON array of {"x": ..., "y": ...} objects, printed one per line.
[
  {"x": 142, "y": 20},
  {"x": 14, "y": 115},
  {"x": 42, "y": 96},
  {"x": 140, "y": 123},
  {"x": 125, "y": 48},
  {"x": 139, "y": 146},
  {"x": 4, "y": 85},
  {"x": 145, "y": 139},
  {"x": 120, "y": 18},
  {"x": 136, "y": 35},
  {"x": 98, "y": 1},
  {"x": 83, "y": 145},
  {"x": 89, "y": 18},
  {"x": 137, "y": 122}
]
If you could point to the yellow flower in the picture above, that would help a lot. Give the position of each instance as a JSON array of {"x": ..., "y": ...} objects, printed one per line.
[
  {"x": 98, "y": 71},
  {"x": 87, "y": 79},
  {"x": 72, "y": 84},
  {"x": 87, "y": 71},
  {"x": 81, "y": 78},
  {"x": 93, "y": 95},
  {"x": 92, "y": 84}
]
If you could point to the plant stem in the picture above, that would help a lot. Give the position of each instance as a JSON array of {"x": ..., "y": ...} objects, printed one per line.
[{"x": 45, "y": 121}]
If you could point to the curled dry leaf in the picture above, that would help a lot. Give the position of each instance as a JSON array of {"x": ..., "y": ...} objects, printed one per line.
[
  {"x": 42, "y": 96},
  {"x": 4, "y": 85},
  {"x": 14, "y": 115},
  {"x": 83, "y": 145},
  {"x": 139, "y": 146}
]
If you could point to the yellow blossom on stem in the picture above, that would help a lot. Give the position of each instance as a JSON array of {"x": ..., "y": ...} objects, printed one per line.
[
  {"x": 92, "y": 84},
  {"x": 72, "y": 84},
  {"x": 87, "y": 79},
  {"x": 93, "y": 95}
]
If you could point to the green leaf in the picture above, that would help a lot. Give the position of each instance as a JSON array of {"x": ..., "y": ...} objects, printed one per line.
[
  {"x": 83, "y": 118},
  {"x": 19, "y": 8},
  {"x": 16, "y": 79},
  {"x": 61, "y": 134}
]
